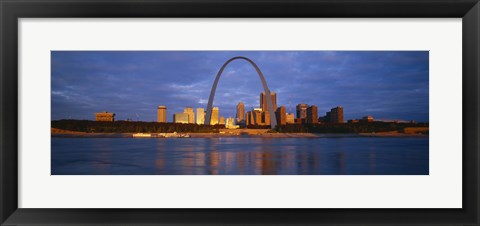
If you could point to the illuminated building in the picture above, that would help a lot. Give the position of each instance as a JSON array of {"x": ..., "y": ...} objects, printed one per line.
[
  {"x": 257, "y": 116},
  {"x": 254, "y": 117},
  {"x": 240, "y": 113},
  {"x": 312, "y": 114},
  {"x": 214, "y": 120},
  {"x": 105, "y": 116},
  {"x": 249, "y": 118},
  {"x": 200, "y": 116},
  {"x": 162, "y": 114},
  {"x": 263, "y": 101},
  {"x": 265, "y": 118},
  {"x": 281, "y": 114},
  {"x": 290, "y": 119},
  {"x": 230, "y": 123},
  {"x": 221, "y": 121},
  {"x": 191, "y": 114},
  {"x": 180, "y": 117}
]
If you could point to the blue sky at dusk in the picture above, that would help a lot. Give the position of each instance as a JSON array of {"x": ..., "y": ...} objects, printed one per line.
[{"x": 384, "y": 84}]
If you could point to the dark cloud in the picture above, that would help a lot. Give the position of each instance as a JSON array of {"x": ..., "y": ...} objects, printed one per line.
[{"x": 385, "y": 84}]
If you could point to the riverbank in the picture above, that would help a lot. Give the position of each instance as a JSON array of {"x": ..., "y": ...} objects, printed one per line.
[{"x": 233, "y": 133}]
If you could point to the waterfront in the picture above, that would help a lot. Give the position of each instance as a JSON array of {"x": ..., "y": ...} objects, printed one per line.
[{"x": 348, "y": 155}]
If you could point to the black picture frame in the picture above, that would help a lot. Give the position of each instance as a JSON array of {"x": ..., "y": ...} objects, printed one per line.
[{"x": 12, "y": 10}]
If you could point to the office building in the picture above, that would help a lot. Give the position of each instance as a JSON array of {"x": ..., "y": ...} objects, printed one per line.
[
  {"x": 302, "y": 111},
  {"x": 221, "y": 121},
  {"x": 249, "y": 118},
  {"x": 290, "y": 119},
  {"x": 214, "y": 118},
  {"x": 230, "y": 123},
  {"x": 281, "y": 114},
  {"x": 263, "y": 101},
  {"x": 200, "y": 116},
  {"x": 336, "y": 115},
  {"x": 161, "y": 114},
  {"x": 105, "y": 116},
  {"x": 257, "y": 117},
  {"x": 254, "y": 117},
  {"x": 181, "y": 117},
  {"x": 312, "y": 115},
  {"x": 240, "y": 117},
  {"x": 265, "y": 118},
  {"x": 191, "y": 114}
]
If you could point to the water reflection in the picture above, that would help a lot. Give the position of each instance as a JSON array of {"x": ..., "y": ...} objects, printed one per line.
[{"x": 240, "y": 156}]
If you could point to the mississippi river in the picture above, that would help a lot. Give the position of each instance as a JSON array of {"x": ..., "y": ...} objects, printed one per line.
[{"x": 240, "y": 156}]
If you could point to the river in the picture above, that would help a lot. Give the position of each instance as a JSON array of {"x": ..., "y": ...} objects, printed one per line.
[{"x": 241, "y": 156}]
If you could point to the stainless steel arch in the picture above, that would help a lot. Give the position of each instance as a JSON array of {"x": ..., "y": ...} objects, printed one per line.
[{"x": 273, "y": 119}]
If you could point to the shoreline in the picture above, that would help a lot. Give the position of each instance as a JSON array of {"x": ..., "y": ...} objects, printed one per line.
[{"x": 72, "y": 134}]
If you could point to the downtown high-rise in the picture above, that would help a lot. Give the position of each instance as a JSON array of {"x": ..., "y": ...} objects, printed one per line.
[
  {"x": 263, "y": 101},
  {"x": 302, "y": 111},
  {"x": 336, "y": 115},
  {"x": 200, "y": 116},
  {"x": 312, "y": 115},
  {"x": 214, "y": 118},
  {"x": 162, "y": 114},
  {"x": 240, "y": 117},
  {"x": 191, "y": 114},
  {"x": 281, "y": 114}
]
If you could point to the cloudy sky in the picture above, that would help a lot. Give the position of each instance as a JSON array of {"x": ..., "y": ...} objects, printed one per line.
[{"x": 384, "y": 84}]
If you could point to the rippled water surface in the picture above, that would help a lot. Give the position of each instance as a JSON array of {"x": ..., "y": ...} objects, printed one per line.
[{"x": 239, "y": 156}]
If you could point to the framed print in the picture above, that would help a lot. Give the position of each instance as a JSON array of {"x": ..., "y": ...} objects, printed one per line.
[{"x": 224, "y": 112}]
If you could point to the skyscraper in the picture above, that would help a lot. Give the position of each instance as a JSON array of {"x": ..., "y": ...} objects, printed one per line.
[
  {"x": 336, "y": 114},
  {"x": 263, "y": 101},
  {"x": 214, "y": 119},
  {"x": 265, "y": 118},
  {"x": 191, "y": 114},
  {"x": 162, "y": 114},
  {"x": 302, "y": 111},
  {"x": 281, "y": 114},
  {"x": 240, "y": 113},
  {"x": 221, "y": 121},
  {"x": 254, "y": 117},
  {"x": 200, "y": 116},
  {"x": 257, "y": 116},
  {"x": 249, "y": 118},
  {"x": 312, "y": 114}
]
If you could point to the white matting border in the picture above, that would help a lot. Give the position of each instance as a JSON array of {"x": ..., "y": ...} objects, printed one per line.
[{"x": 441, "y": 189}]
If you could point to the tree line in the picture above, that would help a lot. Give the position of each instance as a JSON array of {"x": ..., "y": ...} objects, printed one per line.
[
  {"x": 156, "y": 127},
  {"x": 360, "y": 127},
  {"x": 132, "y": 127}
]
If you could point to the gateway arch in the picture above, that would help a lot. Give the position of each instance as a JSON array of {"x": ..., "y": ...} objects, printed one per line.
[{"x": 273, "y": 119}]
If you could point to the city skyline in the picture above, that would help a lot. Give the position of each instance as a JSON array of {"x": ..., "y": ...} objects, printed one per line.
[{"x": 385, "y": 84}]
